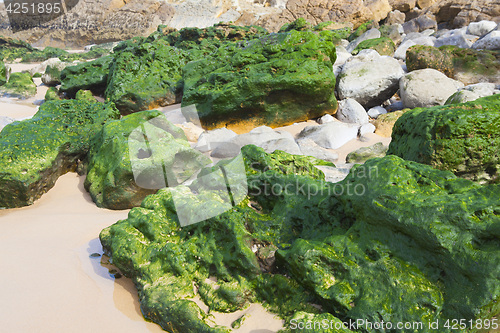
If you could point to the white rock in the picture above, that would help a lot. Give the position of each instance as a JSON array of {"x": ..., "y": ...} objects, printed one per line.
[
  {"x": 48, "y": 79},
  {"x": 327, "y": 118},
  {"x": 192, "y": 131},
  {"x": 482, "y": 89},
  {"x": 209, "y": 140},
  {"x": 263, "y": 136},
  {"x": 426, "y": 87},
  {"x": 367, "y": 128},
  {"x": 4, "y": 121},
  {"x": 369, "y": 78},
  {"x": 370, "y": 34},
  {"x": 462, "y": 96},
  {"x": 342, "y": 57},
  {"x": 331, "y": 135},
  {"x": 401, "y": 50},
  {"x": 284, "y": 144},
  {"x": 481, "y": 28},
  {"x": 350, "y": 111},
  {"x": 491, "y": 41},
  {"x": 40, "y": 68},
  {"x": 376, "y": 111},
  {"x": 309, "y": 148},
  {"x": 456, "y": 37}
]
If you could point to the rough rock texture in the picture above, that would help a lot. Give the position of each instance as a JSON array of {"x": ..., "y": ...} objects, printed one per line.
[
  {"x": 110, "y": 177},
  {"x": 466, "y": 65},
  {"x": 20, "y": 85},
  {"x": 275, "y": 80},
  {"x": 490, "y": 41},
  {"x": 426, "y": 87},
  {"x": 316, "y": 11},
  {"x": 35, "y": 152},
  {"x": 94, "y": 22},
  {"x": 417, "y": 242},
  {"x": 462, "y": 138},
  {"x": 369, "y": 78},
  {"x": 459, "y": 13},
  {"x": 92, "y": 75}
]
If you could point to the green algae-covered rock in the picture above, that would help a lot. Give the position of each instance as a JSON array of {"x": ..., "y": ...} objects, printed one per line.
[
  {"x": 20, "y": 85},
  {"x": 396, "y": 241},
  {"x": 4, "y": 73},
  {"x": 85, "y": 95},
  {"x": 424, "y": 56},
  {"x": 12, "y": 49},
  {"x": 463, "y": 138},
  {"x": 110, "y": 178},
  {"x": 361, "y": 30},
  {"x": 92, "y": 75},
  {"x": 362, "y": 154},
  {"x": 146, "y": 77},
  {"x": 35, "y": 152},
  {"x": 467, "y": 65},
  {"x": 275, "y": 80},
  {"x": 52, "y": 94},
  {"x": 383, "y": 45}
]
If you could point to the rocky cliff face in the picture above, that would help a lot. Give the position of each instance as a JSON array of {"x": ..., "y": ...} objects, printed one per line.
[{"x": 99, "y": 21}]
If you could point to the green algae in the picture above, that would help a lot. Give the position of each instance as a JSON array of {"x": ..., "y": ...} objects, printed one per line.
[
  {"x": 146, "y": 77},
  {"x": 415, "y": 245},
  {"x": 20, "y": 85},
  {"x": 361, "y": 30},
  {"x": 4, "y": 73},
  {"x": 92, "y": 75},
  {"x": 85, "y": 95},
  {"x": 110, "y": 177},
  {"x": 383, "y": 45},
  {"x": 272, "y": 80},
  {"x": 463, "y": 138},
  {"x": 52, "y": 94},
  {"x": 35, "y": 152}
]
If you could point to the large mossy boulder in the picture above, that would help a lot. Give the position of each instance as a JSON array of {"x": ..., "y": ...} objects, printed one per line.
[
  {"x": 20, "y": 85},
  {"x": 92, "y": 75},
  {"x": 467, "y": 65},
  {"x": 275, "y": 80},
  {"x": 146, "y": 77},
  {"x": 111, "y": 180},
  {"x": 396, "y": 241},
  {"x": 35, "y": 152},
  {"x": 462, "y": 138}
]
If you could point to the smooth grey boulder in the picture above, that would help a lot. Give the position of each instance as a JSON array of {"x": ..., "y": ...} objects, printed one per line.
[
  {"x": 331, "y": 135},
  {"x": 376, "y": 111},
  {"x": 482, "y": 89},
  {"x": 456, "y": 37},
  {"x": 263, "y": 136},
  {"x": 462, "y": 96},
  {"x": 481, "y": 28},
  {"x": 210, "y": 140},
  {"x": 426, "y": 87},
  {"x": 310, "y": 148},
  {"x": 350, "y": 111},
  {"x": 369, "y": 78}
]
